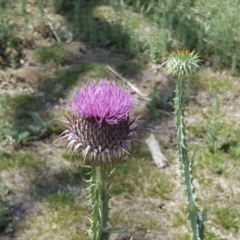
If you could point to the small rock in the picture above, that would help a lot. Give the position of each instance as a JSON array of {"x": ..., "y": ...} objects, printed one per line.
[
  {"x": 54, "y": 226},
  {"x": 21, "y": 79},
  {"x": 48, "y": 152},
  {"x": 36, "y": 35},
  {"x": 207, "y": 64},
  {"x": 48, "y": 104},
  {"x": 5, "y": 86},
  {"x": 161, "y": 206},
  {"x": 57, "y": 107},
  {"x": 30, "y": 89},
  {"x": 22, "y": 61},
  {"x": 61, "y": 101}
]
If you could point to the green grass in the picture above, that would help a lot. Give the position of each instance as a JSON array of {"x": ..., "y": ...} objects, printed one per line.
[
  {"x": 184, "y": 236},
  {"x": 159, "y": 184},
  {"x": 139, "y": 174},
  {"x": 122, "y": 179},
  {"x": 139, "y": 29},
  {"x": 58, "y": 199},
  {"x": 25, "y": 119},
  {"x": 150, "y": 29},
  {"x": 23, "y": 102},
  {"x": 75, "y": 176},
  {"x": 20, "y": 160},
  {"x": 214, "y": 130},
  {"x": 140, "y": 152},
  {"x": 235, "y": 152},
  {"x": 120, "y": 217},
  {"x": 128, "y": 67},
  {"x": 216, "y": 162},
  {"x": 56, "y": 53},
  {"x": 145, "y": 31},
  {"x": 60, "y": 215},
  {"x": 3, "y": 218},
  {"x": 227, "y": 217},
  {"x": 211, "y": 236},
  {"x": 122, "y": 188},
  {"x": 160, "y": 100},
  {"x": 56, "y": 86},
  {"x": 147, "y": 223},
  {"x": 212, "y": 82},
  {"x": 180, "y": 219}
]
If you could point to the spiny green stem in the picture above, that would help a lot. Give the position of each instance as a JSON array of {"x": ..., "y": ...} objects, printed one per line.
[
  {"x": 99, "y": 198},
  {"x": 185, "y": 166}
]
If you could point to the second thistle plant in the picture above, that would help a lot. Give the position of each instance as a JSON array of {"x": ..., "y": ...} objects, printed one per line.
[
  {"x": 182, "y": 63},
  {"x": 98, "y": 127}
]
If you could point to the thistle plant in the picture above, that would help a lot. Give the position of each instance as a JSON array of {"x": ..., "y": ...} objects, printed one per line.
[
  {"x": 182, "y": 63},
  {"x": 98, "y": 127}
]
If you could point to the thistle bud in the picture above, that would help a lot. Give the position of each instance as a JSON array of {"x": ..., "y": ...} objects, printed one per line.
[
  {"x": 98, "y": 124},
  {"x": 182, "y": 62}
]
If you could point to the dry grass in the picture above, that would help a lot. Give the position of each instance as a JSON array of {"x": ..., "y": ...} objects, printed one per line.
[{"x": 46, "y": 196}]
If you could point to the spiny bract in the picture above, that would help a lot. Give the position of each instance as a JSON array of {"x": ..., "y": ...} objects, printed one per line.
[{"x": 98, "y": 123}]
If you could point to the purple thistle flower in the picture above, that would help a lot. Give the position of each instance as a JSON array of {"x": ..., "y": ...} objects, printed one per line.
[
  {"x": 103, "y": 101},
  {"x": 99, "y": 124}
]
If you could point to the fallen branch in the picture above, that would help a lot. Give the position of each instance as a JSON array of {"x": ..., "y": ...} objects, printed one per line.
[
  {"x": 134, "y": 88},
  {"x": 164, "y": 112},
  {"x": 157, "y": 155},
  {"x": 53, "y": 30}
]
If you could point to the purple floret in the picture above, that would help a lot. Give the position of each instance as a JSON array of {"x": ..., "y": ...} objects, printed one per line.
[{"x": 104, "y": 101}]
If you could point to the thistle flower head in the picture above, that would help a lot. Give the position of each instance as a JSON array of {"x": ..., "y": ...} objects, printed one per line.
[
  {"x": 98, "y": 124},
  {"x": 103, "y": 101},
  {"x": 182, "y": 62}
]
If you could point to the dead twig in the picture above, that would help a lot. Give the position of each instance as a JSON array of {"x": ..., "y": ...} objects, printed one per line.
[
  {"x": 164, "y": 112},
  {"x": 157, "y": 155},
  {"x": 134, "y": 88},
  {"x": 53, "y": 30}
]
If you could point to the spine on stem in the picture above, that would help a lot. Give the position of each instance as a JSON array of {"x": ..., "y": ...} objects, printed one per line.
[
  {"x": 99, "y": 198},
  {"x": 186, "y": 167},
  {"x": 182, "y": 63},
  {"x": 99, "y": 128}
]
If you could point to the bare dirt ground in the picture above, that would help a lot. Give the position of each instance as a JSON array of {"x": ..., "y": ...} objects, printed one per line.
[{"x": 24, "y": 203}]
